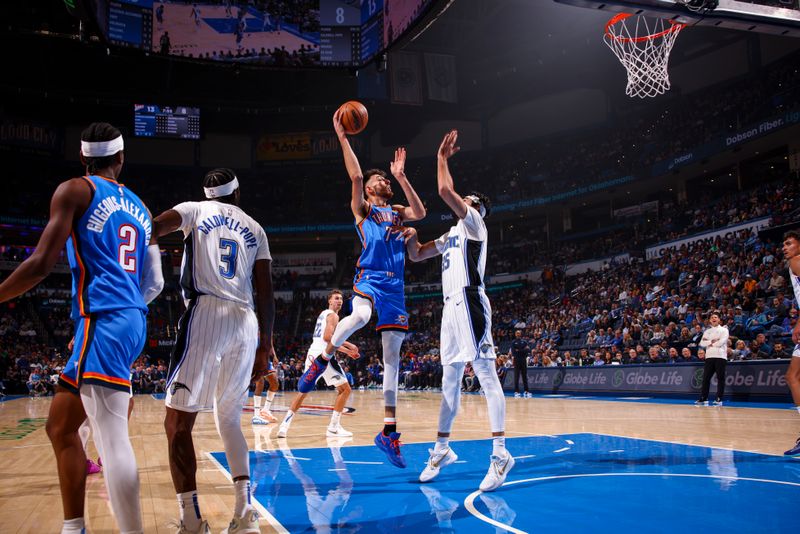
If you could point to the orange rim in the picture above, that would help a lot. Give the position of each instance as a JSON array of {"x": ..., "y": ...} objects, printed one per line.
[{"x": 673, "y": 28}]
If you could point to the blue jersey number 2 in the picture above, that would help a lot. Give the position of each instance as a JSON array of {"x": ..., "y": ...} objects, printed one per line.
[{"x": 229, "y": 250}]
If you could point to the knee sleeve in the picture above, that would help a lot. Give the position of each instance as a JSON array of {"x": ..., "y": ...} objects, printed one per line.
[
  {"x": 227, "y": 416},
  {"x": 451, "y": 395},
  {"x": 362, "y": 312},
  {"x": 391, "y": 341},
  {"x": 495, "y": 400},
  {"x": 107, "y": 410}
]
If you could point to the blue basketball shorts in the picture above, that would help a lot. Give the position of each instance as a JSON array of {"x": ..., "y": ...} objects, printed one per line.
[
  {"x": 106, "y": 345},
  {"x": 388, "y": 299}
]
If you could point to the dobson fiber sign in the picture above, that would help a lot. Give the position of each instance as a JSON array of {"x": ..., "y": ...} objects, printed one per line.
[{"x": 761, "y": 378}]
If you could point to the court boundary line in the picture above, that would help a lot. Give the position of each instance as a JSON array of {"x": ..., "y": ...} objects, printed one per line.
[{"x": 271, "y": 519}]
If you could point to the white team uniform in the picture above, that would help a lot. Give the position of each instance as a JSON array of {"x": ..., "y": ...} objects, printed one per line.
[
  {"x": 796, "y": 287},
  {"x": 333, "y": 374},
  {"x": 467, "y": 316},
  {"x": 218, "y": 334}
]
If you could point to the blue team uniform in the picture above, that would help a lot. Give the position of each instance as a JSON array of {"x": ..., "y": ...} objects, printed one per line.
[
  {"x": 106, "y": 249},
  {"x": 380, "y": 268}
]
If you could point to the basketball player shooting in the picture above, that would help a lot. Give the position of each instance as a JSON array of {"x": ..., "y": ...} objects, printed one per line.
[
  {"x": 466, "y": 333},
  {"x": 220, "y": 339},
  {"x": 379, "y": 278},
  {"x": 106, "y": 229}
]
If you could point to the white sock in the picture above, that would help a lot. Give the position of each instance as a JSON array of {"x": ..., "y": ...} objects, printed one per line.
[
  {"x": 441, "y": 444},
  {"x": 268, "y": 401},
  {"x": 335, "y": 419},
  {"x": 73, "y": 526},
  {"x": 287, "y": 420},
  {"x": 256, "y": 401},
  {"x": 798, "y": 409},
  {"x": 242, "y": 490},
  {"x": 190, "y": 509},
  {"x": 498, "y": 445}
]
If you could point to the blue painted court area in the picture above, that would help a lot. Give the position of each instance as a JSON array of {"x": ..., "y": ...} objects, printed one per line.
[{"x": 560, "y": 484}]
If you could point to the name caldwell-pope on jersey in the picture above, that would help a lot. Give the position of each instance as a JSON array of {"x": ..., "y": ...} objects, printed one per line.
[{"x": 217, "y": 221}]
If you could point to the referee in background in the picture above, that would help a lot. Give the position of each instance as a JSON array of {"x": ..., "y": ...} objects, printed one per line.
[{"x": 520, "y": 351}]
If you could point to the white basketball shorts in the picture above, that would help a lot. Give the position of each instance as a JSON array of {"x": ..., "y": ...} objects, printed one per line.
[
  {"x": 213, "y": 356},
  {"x": 466, "y": 327}
]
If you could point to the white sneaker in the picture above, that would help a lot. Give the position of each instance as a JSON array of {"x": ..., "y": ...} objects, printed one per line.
[
  {"x": 516, "y": 395},
  {"x": 203, "y": 529},
  {"x": 528, "y": 395},
  {"x": 436, "y": 461},
  {"x": 338, "y": 432},
  {"x": 248, "y": 524},
  {"x": 258, "y": 420},
  {"x": 267, "y": 415},
  {"x": 283, "y": 430},
  {"x": 499, "y": 466}
]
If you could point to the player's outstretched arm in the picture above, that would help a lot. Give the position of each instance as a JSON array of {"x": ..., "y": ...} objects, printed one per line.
[
  {"x": 444, "y": 180},
  {"x": 166, "y": 223},
  {"x": 418, "y": 251},
  {"x": 415, "y": 210},
  {"x": 69, "y": 202},
  {"x": 357, "y": 201}
]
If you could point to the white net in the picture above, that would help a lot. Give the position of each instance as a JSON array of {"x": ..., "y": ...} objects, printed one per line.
[{"x": 643, "y": 46}]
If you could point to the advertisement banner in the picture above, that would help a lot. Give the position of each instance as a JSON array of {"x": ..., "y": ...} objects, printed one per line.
[
  {"x": 280, "y": 147},
  {"x": 31, "y": 136},
  {"x": 762, "y": 378},
  {"x": 637, "y": 209},
  {"x": 729, "y": 232},
  {"x": 748, "y": 133}
]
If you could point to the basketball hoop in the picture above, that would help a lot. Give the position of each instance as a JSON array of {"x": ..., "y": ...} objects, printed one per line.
[{"x": 643, "y": 45}]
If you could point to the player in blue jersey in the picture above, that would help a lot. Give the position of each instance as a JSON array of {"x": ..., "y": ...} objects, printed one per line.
[
  {"x": 106, "y": 229},
  {"x": 378, "y": 282}
]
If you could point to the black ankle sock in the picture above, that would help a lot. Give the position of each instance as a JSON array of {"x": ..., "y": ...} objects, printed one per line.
[{"x": 388, "y": 429}]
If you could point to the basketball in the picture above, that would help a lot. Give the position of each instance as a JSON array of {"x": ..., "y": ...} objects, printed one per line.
[{"x": 354, "y": 117}]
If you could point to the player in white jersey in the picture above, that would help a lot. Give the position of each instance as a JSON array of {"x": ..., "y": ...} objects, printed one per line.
[
  {"x": 466, "y": 334},
  {"x": 333, "y": 374},
  {"x": 220, "y": 339},
  {"x": 791, "y": 251}
]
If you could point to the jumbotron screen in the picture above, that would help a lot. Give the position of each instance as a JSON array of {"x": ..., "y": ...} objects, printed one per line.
[
  {"x": 179, "y": 122},
  {"x": 298, "y": 33}
]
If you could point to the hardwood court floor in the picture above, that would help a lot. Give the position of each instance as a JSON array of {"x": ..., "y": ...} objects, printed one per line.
[{"x": 30, "y": 500}]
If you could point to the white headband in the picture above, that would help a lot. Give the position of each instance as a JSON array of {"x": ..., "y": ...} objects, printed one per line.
[
  {"x": 99, "y": 149},
  {"x": 222, "y": 190},
  {"x": 476, "y": 200}
]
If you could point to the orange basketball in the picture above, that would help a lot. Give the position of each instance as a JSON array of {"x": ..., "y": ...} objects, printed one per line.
[{"x": 354, "y": 117}]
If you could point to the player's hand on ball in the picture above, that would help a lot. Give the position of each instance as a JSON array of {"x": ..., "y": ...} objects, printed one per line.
[
  {"x": 398, "y": 166},
  {"x": 337, "y": 123},
  {"x": 448, "y": 147}
]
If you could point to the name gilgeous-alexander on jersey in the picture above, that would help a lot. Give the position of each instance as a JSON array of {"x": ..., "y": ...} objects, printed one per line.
[
  {"x": 463, "y": 251},
  {"x": 221, "y": 246},
  {"x": 106, "y": 250},
  {"x": 317, "y": 343}
]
